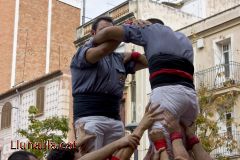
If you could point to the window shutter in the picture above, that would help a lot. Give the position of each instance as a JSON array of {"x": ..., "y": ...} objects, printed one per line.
[
  {"x": 6, "y": 115},
  {"x": 40, "y": 100}
]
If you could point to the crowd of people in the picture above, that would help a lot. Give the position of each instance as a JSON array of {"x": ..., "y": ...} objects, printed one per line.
[{"x": 98, "y": 77}]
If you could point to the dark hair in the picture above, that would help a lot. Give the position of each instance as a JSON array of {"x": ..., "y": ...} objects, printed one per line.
[
  {"x": 21, "y": 155},
  {"x": 61, "y": 154},
  {"x": 102, "y": 18},
  {"x": 155, "y": 20}
]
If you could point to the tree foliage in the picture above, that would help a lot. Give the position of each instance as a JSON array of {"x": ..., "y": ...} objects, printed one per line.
[
  {"x": 52, "y": 130},
  {"x": 213, "y": 109}
]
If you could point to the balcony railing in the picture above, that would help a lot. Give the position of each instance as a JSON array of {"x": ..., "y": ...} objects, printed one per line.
[
  {"x": 218, "y": 76},
  {"x": 225, "y": 151},
  {"x": 118, "y": 12}
]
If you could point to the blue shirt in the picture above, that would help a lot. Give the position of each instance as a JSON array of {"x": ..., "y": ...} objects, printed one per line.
[
  {"x": 107, "y": 76},
  {"x": 157, "y": 38},
  {"x": 97, "y": 88}
]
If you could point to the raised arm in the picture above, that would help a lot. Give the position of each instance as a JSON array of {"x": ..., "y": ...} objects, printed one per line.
[
  {"x": 109, "y": 33},
  {"x": 94, "y": 54},
  {"x": 124, "y": 33},
  {"x": 195, "y": 146},
  {"x": 140, "y": 60},
  {"x": 174, "y": 129},
  {"x": 146, "y": 122},
  {"x": 159, "y": 150}
]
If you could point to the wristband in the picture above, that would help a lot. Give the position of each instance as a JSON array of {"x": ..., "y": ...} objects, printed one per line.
[
  {"x": 135, "y": 55},
  {"x": 191, "y": 142},
  {"x": 161, "y": 143},
  {"x": 175, "y": 135},
  {"x": 114, "y": 158}
]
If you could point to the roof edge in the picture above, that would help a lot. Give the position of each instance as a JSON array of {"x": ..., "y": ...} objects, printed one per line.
[{"x": 30, "y": 84}]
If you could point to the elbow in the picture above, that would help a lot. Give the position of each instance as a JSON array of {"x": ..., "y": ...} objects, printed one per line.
[{"x": 114, "y": 33}]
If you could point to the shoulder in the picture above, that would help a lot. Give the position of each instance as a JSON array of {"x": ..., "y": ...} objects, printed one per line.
[{"x": 180, "y": 34}]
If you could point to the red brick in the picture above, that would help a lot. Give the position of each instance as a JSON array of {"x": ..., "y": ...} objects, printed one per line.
[{"x": 7, "y": 11}]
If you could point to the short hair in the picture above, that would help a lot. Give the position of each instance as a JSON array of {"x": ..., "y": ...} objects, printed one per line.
[
  {"x": 61, "y": 154},
  {"x": 102, "y": 18},
  {"x": 21, "y": 155},
  {"x": 155, "y": 20}
]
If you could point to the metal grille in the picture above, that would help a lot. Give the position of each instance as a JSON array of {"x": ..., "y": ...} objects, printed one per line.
[{"x": 218, "y": 76}]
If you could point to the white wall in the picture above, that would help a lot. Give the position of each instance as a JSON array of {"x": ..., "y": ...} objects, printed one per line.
[{"x": 57, "y": 102}]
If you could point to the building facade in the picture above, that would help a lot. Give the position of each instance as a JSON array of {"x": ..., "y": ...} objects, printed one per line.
[
  {"x": 51, "y": 94},
  {"x": 200, "y": 8},
  {"x": 35, "y": 38},
  {"x": 217, "y": 64}
]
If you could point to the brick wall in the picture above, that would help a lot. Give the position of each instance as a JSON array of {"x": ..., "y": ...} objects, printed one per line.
[
  {"x": 7, "y": 11},
  {"x": 65, "y": 20},
  {"x": 32, "y": 37}
]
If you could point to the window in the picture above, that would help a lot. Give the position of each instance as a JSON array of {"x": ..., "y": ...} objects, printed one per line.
[
  {"x": 229, "y": 123},
  {"x": 40, "y": 100},
  {"x": 225, "y": 51},
  {"x": 222, "y": 60},
  {"x": 6, "y": 115}
]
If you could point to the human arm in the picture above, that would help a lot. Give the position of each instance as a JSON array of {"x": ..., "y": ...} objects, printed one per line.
[
  {"x": 149, "y": 117},
  {"x": 88, "y": 55},
  {"x": 174, "y": 129},
  {"x": 108, "y": 34},
  {"x": 139, "y": 59},
  {"x": 124, "y": 33},
  {"x": 142, "y": 63},
  {"x": 132, "y": 141},
  {"x": 160, "y": 145},
  {"x": 94, "y": 54},
  {"x": 198, "y": 152}
]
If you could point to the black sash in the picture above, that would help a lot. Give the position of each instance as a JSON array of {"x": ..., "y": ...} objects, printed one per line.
[
  {"x": 96, "y": 105},
  {"x": 168, "y": 61}
]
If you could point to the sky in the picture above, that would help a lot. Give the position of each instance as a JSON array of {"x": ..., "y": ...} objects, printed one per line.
[{"x": 97, "y": 7}]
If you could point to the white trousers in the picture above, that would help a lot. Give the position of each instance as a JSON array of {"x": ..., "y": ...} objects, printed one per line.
[
  {"x": 106, "y": 130},
  {"x": 181, "y": 101}
]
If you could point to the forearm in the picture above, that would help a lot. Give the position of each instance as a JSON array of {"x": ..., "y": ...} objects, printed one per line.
[
  {"x": 156, "y": 156},
  {"x": 95, "y": 54},
  {"x": 141, "y": 62},
  {"x": 179, "y": 150},
  {"x": 164, "y": 155},
  {"x": 200, "y": 153},
  {"x": 126, "y": 153},
  {"x": 139, "y": 131},
  {"x": 110, "y": 33},
  {"x": 101, "y": 154}
]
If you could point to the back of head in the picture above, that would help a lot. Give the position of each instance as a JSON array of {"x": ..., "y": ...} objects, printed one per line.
[
  {"x": 21, "y": 155},
  {"x": 155, "y": 20},
  {"x": 102, "y": 18},
  {"x": 61, "y": 154}
]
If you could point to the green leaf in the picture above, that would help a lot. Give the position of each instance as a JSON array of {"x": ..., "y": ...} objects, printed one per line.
[{"x": 54, "y": 129}]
